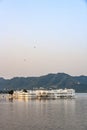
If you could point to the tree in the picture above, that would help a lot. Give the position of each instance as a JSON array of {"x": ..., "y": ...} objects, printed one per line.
[
  {"x": 24, "y": 90},
  {"x": 11, "y": 92}
]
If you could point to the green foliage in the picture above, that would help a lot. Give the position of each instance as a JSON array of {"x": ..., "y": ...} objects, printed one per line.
[
  {"x": 24, "y": 90},
  {"x": 11, "y": 92}
]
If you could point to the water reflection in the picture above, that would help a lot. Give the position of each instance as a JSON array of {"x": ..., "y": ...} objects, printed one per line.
[
  {"x": 60, "y": 114},
  {"x": 11, "y": 100}
]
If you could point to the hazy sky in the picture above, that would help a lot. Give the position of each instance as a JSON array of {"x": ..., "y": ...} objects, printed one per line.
[{"x": 38, "y": 37}]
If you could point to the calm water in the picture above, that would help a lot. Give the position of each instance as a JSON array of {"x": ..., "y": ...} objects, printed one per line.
[{"x": 61, "y": 114}]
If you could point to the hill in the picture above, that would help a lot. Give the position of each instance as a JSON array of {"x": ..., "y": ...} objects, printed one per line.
[{"x": 59, "y": 80}]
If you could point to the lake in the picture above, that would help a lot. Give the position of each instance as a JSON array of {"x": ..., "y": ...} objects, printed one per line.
[{"x": 60, "y": 114}]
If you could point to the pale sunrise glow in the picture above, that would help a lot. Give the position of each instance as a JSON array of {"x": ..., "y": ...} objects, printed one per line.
[{"x": 40, "y": 37}]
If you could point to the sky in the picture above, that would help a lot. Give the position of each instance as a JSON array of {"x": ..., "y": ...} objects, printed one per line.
[{"x": 38, "y": 37}]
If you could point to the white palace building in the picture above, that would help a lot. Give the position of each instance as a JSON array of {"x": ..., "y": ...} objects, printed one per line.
[{"x": 45, "y": 94}]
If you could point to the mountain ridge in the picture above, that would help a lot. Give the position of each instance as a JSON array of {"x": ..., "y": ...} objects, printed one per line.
[{"x": 51, "y": 80}]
